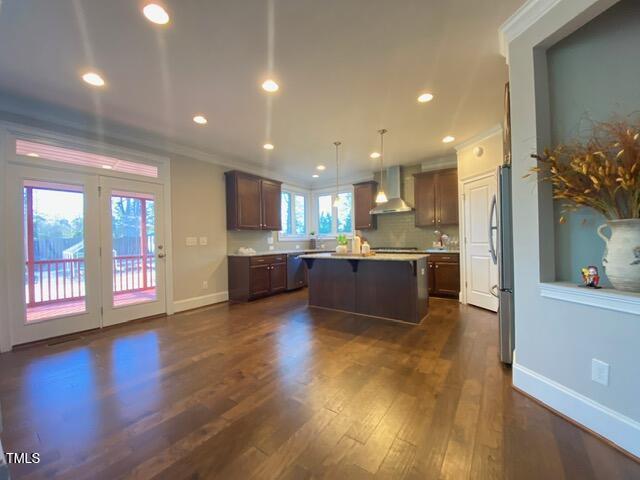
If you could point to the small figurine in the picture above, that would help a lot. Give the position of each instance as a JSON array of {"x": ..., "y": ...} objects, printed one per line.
[{"x": 590, "y": 276}]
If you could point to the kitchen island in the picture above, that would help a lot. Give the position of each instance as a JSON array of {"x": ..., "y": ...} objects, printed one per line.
[{"x": 391, "y": 286}]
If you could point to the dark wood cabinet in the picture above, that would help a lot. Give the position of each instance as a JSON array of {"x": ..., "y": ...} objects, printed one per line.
[
  {"x": 253, "y": 203},
  {"x": 364, "y": 194},
  {"x": 278, "y": 277},
  {"x": 447, "y": 197},
  {"x": 431, "y": 278},
  {"x": 424, "y": 198},
  {"x": 271, "y": 198},
  {"x": 255, "y": 277},
  {"x": 436, "y": 198},
  {"x": 259, "y": 280},
  {"x": 444, "y": 275}
]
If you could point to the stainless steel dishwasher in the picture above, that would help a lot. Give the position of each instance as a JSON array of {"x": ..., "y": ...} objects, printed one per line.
[{"x": 296, "y": 271}]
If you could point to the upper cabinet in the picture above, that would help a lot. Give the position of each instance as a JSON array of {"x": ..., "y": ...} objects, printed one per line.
[
  {"x": 253, "y": 203},
  {"x": 436, "y": 198},
  {"x": 364, "y": 195}
]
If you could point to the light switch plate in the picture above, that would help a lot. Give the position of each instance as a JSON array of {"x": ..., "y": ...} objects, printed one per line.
[
  {"x": 600, "y": 372},
  {"x": 204, "y": 241},
  {"x": 191, "y": 241},
  {"x": 270, "y": 240}
]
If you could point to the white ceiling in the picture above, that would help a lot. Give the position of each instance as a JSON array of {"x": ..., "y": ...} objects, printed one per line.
[{"x": 346, "y": 68}]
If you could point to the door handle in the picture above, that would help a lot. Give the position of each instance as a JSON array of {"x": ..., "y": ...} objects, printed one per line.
[
  {"x": 162, "y": 255},
  {"x": 492, "y": 228}
]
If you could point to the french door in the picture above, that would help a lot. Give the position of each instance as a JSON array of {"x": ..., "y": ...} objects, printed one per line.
[
  {"x": 133, "y": 252},
  {"x": 86, "y": 251}
]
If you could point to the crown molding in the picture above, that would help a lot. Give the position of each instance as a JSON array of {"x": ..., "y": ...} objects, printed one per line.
[
  {"x": 496, "y": 129},
  {"x": 521, "y": 20}
]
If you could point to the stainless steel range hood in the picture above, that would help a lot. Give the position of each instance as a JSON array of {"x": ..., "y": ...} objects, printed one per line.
[{"x": 392, "y": 186}]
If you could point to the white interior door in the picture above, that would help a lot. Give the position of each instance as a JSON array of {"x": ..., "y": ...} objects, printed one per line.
[
  {"x": 481, "y": 274},
  {"x": 54, "y": 253},
  {"x": 132, "y": 250}
]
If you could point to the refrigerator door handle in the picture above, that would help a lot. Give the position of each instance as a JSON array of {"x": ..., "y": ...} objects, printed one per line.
[{"x": 493, "y": 227}]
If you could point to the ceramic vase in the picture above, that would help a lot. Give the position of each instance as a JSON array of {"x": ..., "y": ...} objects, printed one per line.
[{"x": 621, "y": 259}]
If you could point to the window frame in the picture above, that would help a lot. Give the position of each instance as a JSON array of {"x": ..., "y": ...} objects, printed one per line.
[
  {"x": 316, "y": 194},
  {"x": 293, "y": 191}
]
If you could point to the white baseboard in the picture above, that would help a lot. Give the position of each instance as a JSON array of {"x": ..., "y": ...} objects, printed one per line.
[
  {"x": 615, "y": 427},
  {"x": 202, "y": 301}
]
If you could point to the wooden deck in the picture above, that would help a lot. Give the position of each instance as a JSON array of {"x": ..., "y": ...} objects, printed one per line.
[
  {"x": 73, "y": 307},
  {"x": 273, "y": 389}
]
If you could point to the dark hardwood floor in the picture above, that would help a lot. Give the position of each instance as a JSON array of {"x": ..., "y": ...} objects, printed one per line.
[{"x": 272, "y": 389}]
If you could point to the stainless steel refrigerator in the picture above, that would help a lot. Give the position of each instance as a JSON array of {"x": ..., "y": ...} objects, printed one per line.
[{"x": 501, "y": 247}]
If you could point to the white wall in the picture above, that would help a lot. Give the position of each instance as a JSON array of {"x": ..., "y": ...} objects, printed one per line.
[
  {"x": 555, "y": 339},
  {"x": 470, "y": 165}
]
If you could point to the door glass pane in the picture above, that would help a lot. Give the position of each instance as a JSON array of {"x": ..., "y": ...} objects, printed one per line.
[
  {"x": 324, "y": 215},
  {"x": 299, "y": 215},
  {"x": 54, "y": 244},
  {"x": 133, "y": 248},
  {"x": 344, "y": 212}
]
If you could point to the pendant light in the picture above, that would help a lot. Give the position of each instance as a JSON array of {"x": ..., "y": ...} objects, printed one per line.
[
  {"x": 381, "y": 197},
  {"x": 336, "y": 201}
]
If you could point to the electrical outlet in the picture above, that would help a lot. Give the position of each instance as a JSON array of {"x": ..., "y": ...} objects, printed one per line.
[
  {"x": 297, "y": 247},
  {"x": 599, "y": 371},
  {"x": 270, "y": 240},
  {"x": 204, "y": 241},
  {"x": 270, "y": 247},
  {"x": 205, "y": 284},
  {"x": 191, "y": 241}
]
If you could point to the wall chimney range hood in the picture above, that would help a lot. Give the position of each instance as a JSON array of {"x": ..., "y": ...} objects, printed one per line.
[{"x": 395, "y": 204}]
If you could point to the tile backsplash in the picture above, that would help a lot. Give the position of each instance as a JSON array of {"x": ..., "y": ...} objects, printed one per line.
[
  {"x": 259, "y": 241},
  {"x": 394, "y": 230},
  {"x": 399, "y": 230}
]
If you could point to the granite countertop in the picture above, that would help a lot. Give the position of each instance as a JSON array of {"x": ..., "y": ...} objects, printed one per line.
[
  {"x": 393, "y": 257},
  {"x": 417, "y": 252},
  {"x": 278, "y": 252}
]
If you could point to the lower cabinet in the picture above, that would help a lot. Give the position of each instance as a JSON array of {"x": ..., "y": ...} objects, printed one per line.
[
  {"x": 255, "y": 277},
  {"x": 444, "y": 275}
]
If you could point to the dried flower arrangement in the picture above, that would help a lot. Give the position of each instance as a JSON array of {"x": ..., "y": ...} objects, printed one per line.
[{"x": 602, "y": 173}]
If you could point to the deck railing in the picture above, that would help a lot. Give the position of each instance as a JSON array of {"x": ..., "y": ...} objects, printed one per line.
[{"x": 49, "y": 281}]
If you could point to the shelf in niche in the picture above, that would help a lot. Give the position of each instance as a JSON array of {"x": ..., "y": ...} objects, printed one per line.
[{"x": 605, "y": 298}]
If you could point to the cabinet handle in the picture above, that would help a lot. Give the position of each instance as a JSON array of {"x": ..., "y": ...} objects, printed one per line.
[{"x": 436, "y": 266}]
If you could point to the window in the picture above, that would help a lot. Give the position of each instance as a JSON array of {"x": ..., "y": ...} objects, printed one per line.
[
  {"x": 285, "y": 213},
  {"x": 293, "y": 213},
  {"x": 335, "y": 220},
  {"x": 325, "y": 215},
  {"x": 83, "y": 159}
]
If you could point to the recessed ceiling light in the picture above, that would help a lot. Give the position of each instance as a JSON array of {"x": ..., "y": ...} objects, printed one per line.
[
  {"x": 448, "y": 139},
  {"x": 32, "y": 154},
  {"x": 92, "y": 78},
  {"x": 321, "y": 167},
  {"x": 268, "y": 146},
  {"x": 107, "y": 167},
  {"x": 156, "y": 14},
  {"x": 375, "y": 155},
  {"x": 200, "y": 119},
  {"x": 315, "y": 175},
  {"x": 425, "y": 97},
  {"x": 270, "y": 86}
]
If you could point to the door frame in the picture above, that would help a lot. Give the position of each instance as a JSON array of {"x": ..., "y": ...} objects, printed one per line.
[
  {"x": 9, "y": 133},
  {"x": 463, "y": 234}
]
